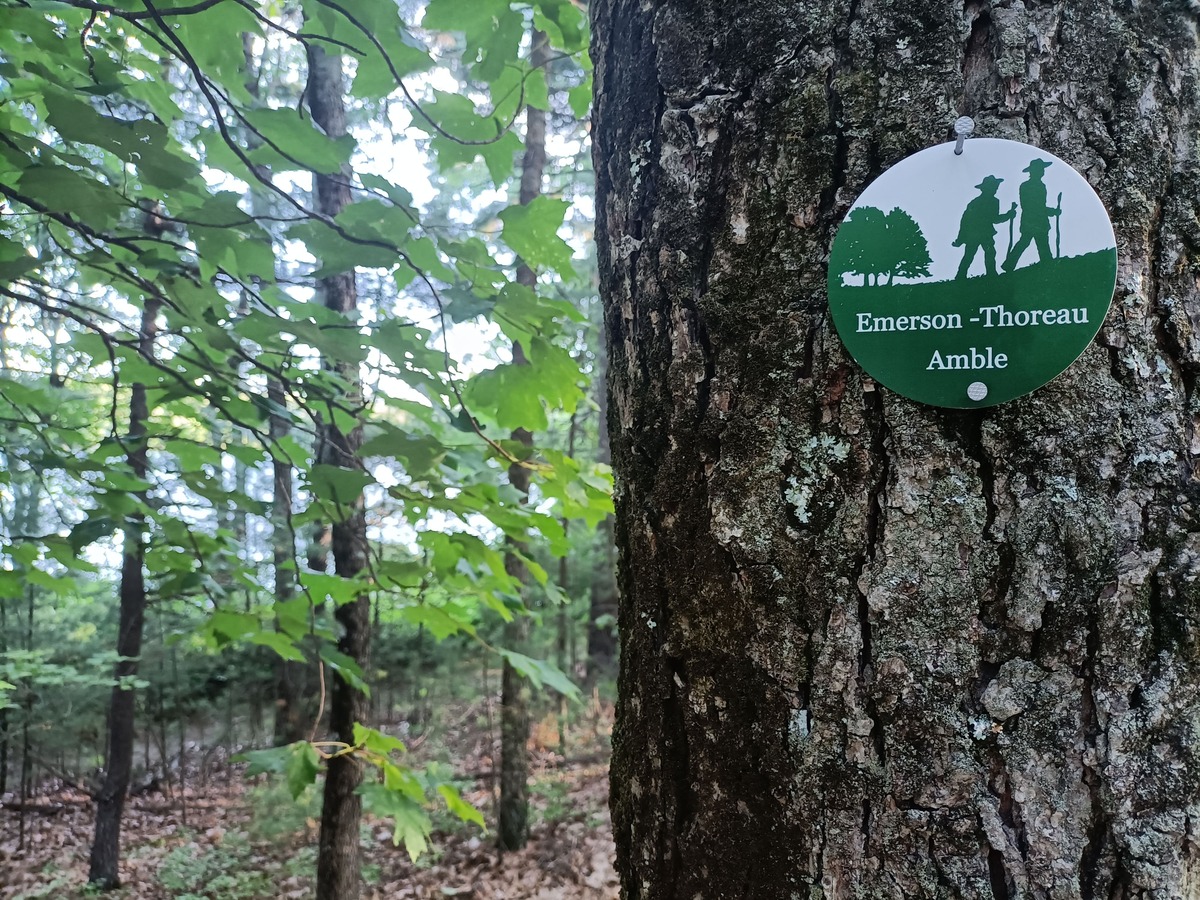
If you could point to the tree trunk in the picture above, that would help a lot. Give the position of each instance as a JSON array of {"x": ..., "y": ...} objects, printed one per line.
[
  {"x": 513, "y": 826},
  {"x": 26, "y": 720},
  {"x": 512, "y": 829},
  {"x": 110, "y": 800},
  {"x": 338, "y": 859},
  {"x": 4, "y": 726},
  {"x": 968, "y": 667},
  {"x": 290, "y": 710}
]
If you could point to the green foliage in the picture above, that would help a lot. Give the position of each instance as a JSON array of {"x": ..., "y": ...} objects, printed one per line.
[
  {"x": 541, "y": 673},
  {"x": 95, "y": 145},
  {"x": 298, "y": 763},
  {"x": 231, "y": 870},
  {"x": 532, "y": 231},
  {"x": 55, "y": 885},
  {"x": 154, "y": 158},
  {"x": 398, "y": 792},
  {"x": 550, "y": 796},
  {"x": 276, "y": 817}
]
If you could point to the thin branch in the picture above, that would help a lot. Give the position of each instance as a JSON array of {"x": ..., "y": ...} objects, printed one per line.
[
  {"x": 131, "y": 16},
  {"x": 300, "y": 36},
  {"x": 420, "y": 110}
]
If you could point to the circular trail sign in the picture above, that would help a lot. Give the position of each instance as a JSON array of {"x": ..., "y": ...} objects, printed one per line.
[{"x": 969, "y": 280}]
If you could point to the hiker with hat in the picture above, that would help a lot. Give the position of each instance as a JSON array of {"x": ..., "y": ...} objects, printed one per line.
[
  {"x": 977, "y": 230},
  {"x": 1035, "y": 216}
]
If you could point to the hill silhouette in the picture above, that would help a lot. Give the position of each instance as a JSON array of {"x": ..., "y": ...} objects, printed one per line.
[{"x": 1036, "y": 353}]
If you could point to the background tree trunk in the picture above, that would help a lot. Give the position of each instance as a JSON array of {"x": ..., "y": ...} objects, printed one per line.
[
  {"x": 339, "y": 859},
  {"x": 3, "y": 711},
  {"x": 103, "y": 871},
  {"x": 602, "y": 598},
  {"x": 969, "y": 668},
  {"x": 291, "y": 710},
  {"x": 513, "y": 826}
]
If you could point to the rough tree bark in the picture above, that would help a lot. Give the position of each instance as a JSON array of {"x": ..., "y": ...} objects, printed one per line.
[
  {"x": 513, "y": 826},
  {"x": 338, "y": 856},
  {"x": 969, "y": 668},
  {"x": 103, "y": 870}
]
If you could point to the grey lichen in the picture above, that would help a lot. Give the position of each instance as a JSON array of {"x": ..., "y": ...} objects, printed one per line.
[{"x": 816, "y": 461}]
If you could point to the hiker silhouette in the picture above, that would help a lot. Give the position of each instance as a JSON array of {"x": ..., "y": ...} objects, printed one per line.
[
  {"x": 1035, "y": 216},
  {"x": 977, "y": 230}
]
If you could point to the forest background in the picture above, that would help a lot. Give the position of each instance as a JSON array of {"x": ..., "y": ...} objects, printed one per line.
[{"x": 304, "y": 453}]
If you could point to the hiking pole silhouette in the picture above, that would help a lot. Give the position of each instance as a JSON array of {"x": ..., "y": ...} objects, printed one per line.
[
  {"x": 1012, "y": 214},
  {"x": 1058, "y": 228}
]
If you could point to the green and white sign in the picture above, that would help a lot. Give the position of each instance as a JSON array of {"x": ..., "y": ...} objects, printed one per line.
[{"x": 969, "y": 280}]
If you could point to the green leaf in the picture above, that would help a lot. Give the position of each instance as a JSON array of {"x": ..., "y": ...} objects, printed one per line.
[
  {"x": 338, "y": 255},
  {"x": 52, "y": 583},
  {"x": 12, "y": 585},
  {"x": 499, "y": 156},
  {"x": 57, "y": 187},
  {"x": 399, "y": 573},
  {"x": 334, "y": 587},
  {"x": 456, "y": 114},
  {"x": 282, "y": 644},
  {"x": 516, "y": 396},
  {"x": 142, "y": 142},
  {"x": 440, "y": 622},
  {"x": 522, "y": 314},
  {"x": 540, "y": 672},
  {"x": 344, "y": 666},
  {"x": 266, "y": 762},
  {"x": 580, "y": 98},
  {"x": 374, "y": 78},
  {"x": 298, "y": 762},
  {"x": 412, "y": 825},
  {"x": 477, "y": 20},
  {"x": 460, "y": 807},
  {"x": 532, "y": 232},
  {"x": 213, "y": 38},
  {"x": 418, "y": 453},
  {"x": 377, "y": 741},
  {"x": 510, "y": 396},
  {"x": 564, "y": 23},
  {"x": 499, "y": 48},
  {"x": 297, "y": 143},
  {"x": 375, "y": 220},
  {"x": 232, "y": 626},
  {"x": 338, "y": 485},
  {"x": 90, "y": 530},
  {"x": 301, "y": 768}
]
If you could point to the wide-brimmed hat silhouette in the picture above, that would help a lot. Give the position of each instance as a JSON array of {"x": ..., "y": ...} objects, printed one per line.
[
  {"x": 1036, "y": 166},
  {"x": 990, "y": 183}
]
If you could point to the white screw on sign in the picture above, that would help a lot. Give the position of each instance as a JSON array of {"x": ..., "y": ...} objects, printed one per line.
[{"x": 977, "y": 390}]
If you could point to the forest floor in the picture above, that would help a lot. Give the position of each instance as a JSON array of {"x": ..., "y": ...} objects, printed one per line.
[{"x": 245, "y": 839}]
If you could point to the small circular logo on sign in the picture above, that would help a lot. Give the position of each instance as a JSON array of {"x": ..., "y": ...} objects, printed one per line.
[{"x": 969, "y": 280}]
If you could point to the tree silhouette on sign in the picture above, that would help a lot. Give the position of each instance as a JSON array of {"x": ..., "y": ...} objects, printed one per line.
[
  {"x": 875, "y": 245},
  {"x": 909, "y": 251}
]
